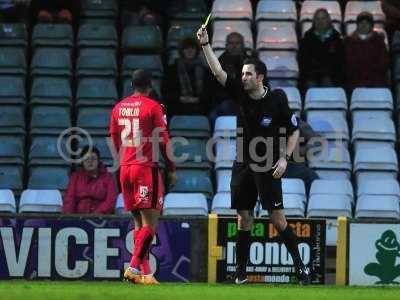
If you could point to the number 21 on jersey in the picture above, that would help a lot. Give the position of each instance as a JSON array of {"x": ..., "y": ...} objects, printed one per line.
[{"x": 130, "y": 135}]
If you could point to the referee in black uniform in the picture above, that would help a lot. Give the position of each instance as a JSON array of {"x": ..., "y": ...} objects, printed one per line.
[{"x": 265, "y": 120}]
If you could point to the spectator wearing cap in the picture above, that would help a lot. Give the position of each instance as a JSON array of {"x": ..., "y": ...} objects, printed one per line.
[
  {"x": 367, "y": 58},
  {"x": 321, "y": 53},
  {"x": 184, "y": 83},
  {"x": 91, "y": 189}
]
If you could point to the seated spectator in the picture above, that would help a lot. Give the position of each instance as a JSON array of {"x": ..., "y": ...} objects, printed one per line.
[
  {"x": 140, "y": 13},
  {"x": 232, "y": 62},
  {"x": 14, "y": 11},
  {"x": 391, "y": 8},
  {"x": 297, "y": 168},
  {"x": 321, "y": 53},
  {"x": 92, "y": 189},
  {"x": 55, "y": 11},
  {"x": 185, "y": 81},
  {"x": 367, "y": 59}
]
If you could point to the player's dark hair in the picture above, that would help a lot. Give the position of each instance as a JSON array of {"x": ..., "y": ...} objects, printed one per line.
[
  {"x": 259, "y": 66},
  {"x": 89, "y": 148},
  {"x": 141, "y": 80}
]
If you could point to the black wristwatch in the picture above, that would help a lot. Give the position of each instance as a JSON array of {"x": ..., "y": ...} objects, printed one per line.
[
  {"x": 205, "y": 44},
  {"x": 287, "y": 157}
]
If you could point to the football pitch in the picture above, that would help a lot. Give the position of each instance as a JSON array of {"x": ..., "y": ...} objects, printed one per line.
[{"x": 46, "y": 290}]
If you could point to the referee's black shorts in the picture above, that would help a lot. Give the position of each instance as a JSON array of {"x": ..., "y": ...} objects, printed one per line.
[{"x": 247, "y": 185}]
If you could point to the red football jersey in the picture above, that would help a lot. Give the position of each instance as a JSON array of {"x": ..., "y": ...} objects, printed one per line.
[{"x": 137, "y": 126}]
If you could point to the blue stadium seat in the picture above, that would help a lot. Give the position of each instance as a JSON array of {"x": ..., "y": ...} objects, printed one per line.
[
  {"x": 52, "y": 35},
  {"x": 7, "y": 201},
  {"x": 49, "y": 120},
  {"x": 190, "y": 126},
  {"x": 96, "y": 63},
  {"x": 12, "y": 150},
  {"x": 193, "y": 181},
  {"x": 51, "y": 62},
  {"x": 187, "y": 10},
  {"x": 12, "y": 61},
  {"x": 276, "y": 10},
  {"x": 221, "y": 205},
  {"x": 97, "y": 35},
  {"x": 48, "y": 177},
  {"x": 94, "y": 119},
  {"x": 12, "y": 90},
  {"x": 232, "y": 10},
  {"x": 13, "y": 35},
  {"x": 12, "y": 177},
  {"x": 151, "y": 63},
  {"x": 185, "y": 204},
  {"x": 99, "y": 9},
  {"x": 143, "y": 39},
  {"x": 48, "y": 151},
  {"x": 40, "y": 201},
  {"x": 96, "y": 92},
  {"x": 193, "y": 155},
  {"x": 12, "y": 120},
  {"x": 51, "y": 91}
]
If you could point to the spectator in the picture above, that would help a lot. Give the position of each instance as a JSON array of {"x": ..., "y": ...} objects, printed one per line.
[
  {"x": 13, "y": 11},
  {"x": 232, "y": 62},
  {"x": 308, "y": 140},
  {"x": 140, "y": 13},
  {"x": 321, "y": 53},
  {"x": 57, "y": 11},
  {"x": 92, "y": 189},
  {"x": 391, "y": 8},
  {"x": 367, "y": 59},
  {"x": 185, "y": 81}
]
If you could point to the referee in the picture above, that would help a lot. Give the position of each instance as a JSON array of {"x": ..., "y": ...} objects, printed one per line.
[{"x": 265, "y": 120}]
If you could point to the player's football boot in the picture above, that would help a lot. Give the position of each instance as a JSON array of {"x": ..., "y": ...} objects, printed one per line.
[
  {"x": 303, "y": 275},
  {"x": 133, "y": 276},
  {"x": 149, "y": 279},
  {"x": 237, "y": 278}
]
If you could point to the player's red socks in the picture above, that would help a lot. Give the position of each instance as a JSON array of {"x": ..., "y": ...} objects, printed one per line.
[
  {"x": 143, "y": 240},
  {"x": 145, "y": 266}
]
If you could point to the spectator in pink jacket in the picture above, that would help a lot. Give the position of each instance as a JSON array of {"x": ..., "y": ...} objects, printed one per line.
[{"x": 91, "y": 189}]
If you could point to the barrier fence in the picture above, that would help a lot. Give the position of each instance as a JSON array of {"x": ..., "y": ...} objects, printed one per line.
[{"x": 192, "y": 249}]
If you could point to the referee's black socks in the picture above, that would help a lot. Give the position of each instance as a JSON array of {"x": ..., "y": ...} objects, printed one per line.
[
  {"x": 290, "y": 240},
  {"x": 242, "y": 251}
]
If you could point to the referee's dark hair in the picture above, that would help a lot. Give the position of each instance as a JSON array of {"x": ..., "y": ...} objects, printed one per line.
[
  {"x": 259, "y": 66},
  {"x": 141, "y": 80}
]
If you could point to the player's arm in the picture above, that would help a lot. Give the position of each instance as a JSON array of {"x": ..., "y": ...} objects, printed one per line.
[
  {"x": 212, "y": 60},
  {"x": 289, "y": 122},
  {"x": 160, "y": 124}
]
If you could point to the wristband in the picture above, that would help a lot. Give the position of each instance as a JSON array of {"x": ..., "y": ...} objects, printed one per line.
[
  {"x": 287, "y": 157},
  {"x": 205, "y": 44}
]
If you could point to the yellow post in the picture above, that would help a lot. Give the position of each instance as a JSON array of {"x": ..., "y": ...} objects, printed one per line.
[
  {"x": 214, "y": 251},
  {"x": 341, "y": 251}
]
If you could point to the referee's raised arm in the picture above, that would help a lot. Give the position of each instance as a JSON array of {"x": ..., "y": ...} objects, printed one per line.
[{"x": 212, "y": 60}]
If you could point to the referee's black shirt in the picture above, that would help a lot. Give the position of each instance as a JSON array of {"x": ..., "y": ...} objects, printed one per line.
[{"x": 268, "y": 117}]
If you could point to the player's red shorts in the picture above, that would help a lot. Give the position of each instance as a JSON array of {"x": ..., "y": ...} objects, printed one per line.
[{"x": 142, "y": 187}]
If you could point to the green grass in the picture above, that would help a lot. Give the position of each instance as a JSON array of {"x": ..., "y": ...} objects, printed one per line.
[{"x": 46, "y": 290}]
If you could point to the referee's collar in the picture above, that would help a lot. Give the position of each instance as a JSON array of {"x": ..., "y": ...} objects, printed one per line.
[{"x": 265, "y": 91}]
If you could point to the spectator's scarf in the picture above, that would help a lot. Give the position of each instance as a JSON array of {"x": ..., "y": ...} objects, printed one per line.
[{"x": 184, "y": 79}]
